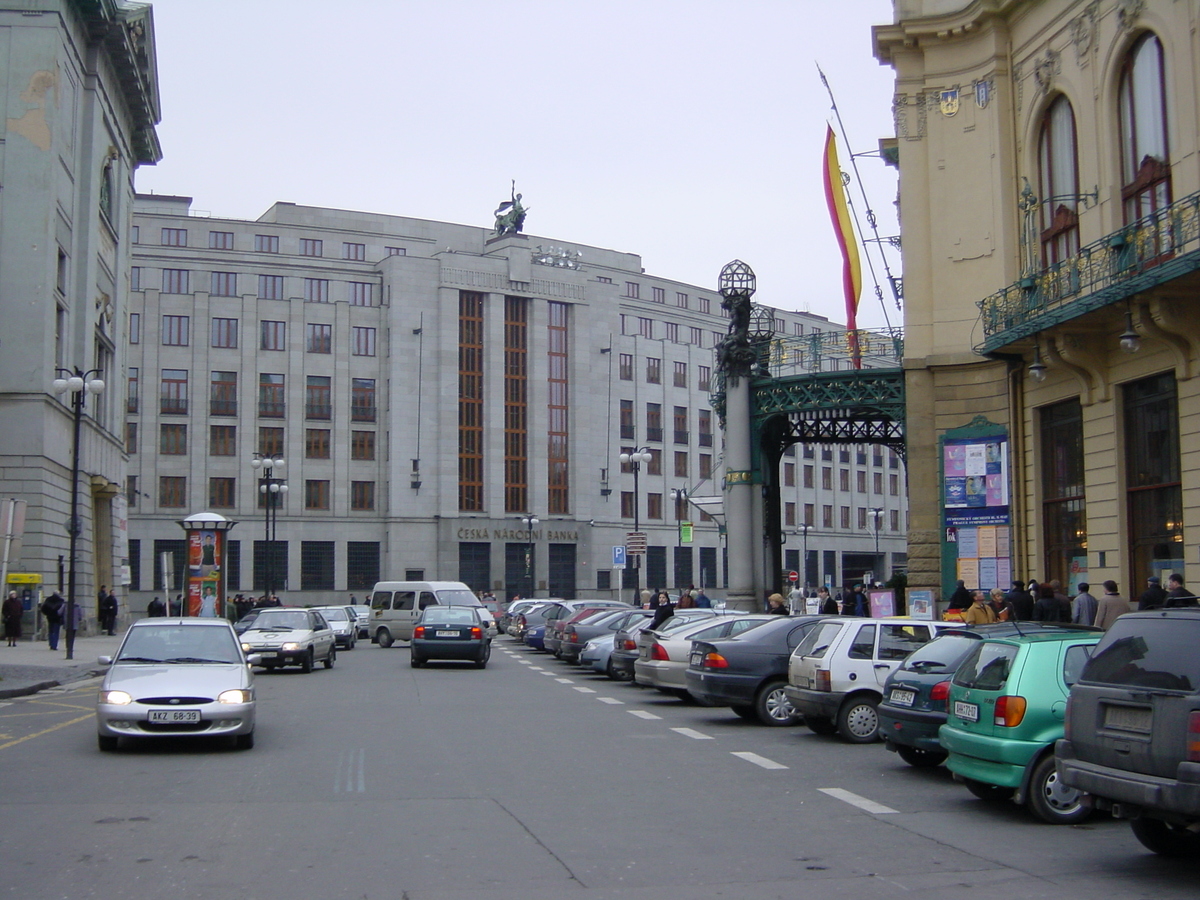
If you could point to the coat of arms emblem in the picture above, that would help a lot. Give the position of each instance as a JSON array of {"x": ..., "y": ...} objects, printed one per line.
[{"x": 949, "y": 102}]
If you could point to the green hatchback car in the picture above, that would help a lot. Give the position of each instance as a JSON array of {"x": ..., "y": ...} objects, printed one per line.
[{"x": 1005, "y": 711}]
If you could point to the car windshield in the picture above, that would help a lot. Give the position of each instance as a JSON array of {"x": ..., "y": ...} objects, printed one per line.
[
  {"x": 940, "y": 656},
  {"x": 180, "y": 644},
  {"x": 448, "y": 615},
  {"x": 1147, "y": 653},
  {"x": 986, "y": 668},
  {"x": 334, "y": 615},
  {"x": 280, "y": 621},
  {"x": 818, "y": 640},
  {"x": 458, "y": 598}
]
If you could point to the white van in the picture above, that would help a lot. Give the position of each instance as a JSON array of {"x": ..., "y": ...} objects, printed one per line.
[{"x": 396, "y": 606}]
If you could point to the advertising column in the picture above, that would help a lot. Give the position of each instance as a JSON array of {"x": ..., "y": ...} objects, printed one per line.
[{"x": 206, "y": 534}]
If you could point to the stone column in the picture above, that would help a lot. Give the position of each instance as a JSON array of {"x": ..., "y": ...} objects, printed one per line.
[{"x": 739, "y": 497}]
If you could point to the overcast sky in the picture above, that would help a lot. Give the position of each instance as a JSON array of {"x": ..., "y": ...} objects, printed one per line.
[{"x": 687, "y": 131}]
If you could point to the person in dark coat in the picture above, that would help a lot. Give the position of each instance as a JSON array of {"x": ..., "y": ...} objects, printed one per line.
[
  {"x": 1177, "y": 594},
  {"x": 777, "y": 605},
  {"x": 663, "y": 611},
  {"x": 1154, "y": 596},
  {"x": 826, "y": 605},
  {"x": 156, "y": 608},
  {"x": 107, "y": 610},
  {"x": 1020, "y": 603},
  {"x": 11, "y": 612},
  {"x": 702, "y": 600},
  {"x": 54, "y": 608},
  {"x": 1047, "y": 608},
  {"x": 961, "y": 598}
]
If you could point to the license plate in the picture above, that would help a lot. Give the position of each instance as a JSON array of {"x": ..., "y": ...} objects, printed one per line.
[
  {"x": 903, "y": 698},
  {"x": 1128, "y": 718},
  {"x": 175, "y": 716},
  {"x": 265, "y": 654},
  {"x": 967, "y": 711},
  {"x": 445, "y": 634},
  {"x": 697, "y": 659}
]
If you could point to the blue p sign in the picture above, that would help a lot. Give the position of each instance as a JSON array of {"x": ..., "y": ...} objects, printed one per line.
[{"x": 619, "y": 557}]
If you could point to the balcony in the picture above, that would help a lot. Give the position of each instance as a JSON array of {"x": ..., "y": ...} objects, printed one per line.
[
  {"x": 271, "y": 409},
  {"x": 362, "y": 414},
  {"x": 704, "y": 439},
  {"x": 320, "y": 411},
  {"x": 173, "y": 406},
  {"x": 222, "y": 408},
  {"x": 1153, "y": 250},
  {"x": 654, "y": 433},
  {"x": 681, "y": 436},
  {"x": 627, "y": 433}
]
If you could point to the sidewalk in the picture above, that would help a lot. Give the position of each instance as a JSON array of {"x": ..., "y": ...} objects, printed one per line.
[{"x": 31, "y": 666}]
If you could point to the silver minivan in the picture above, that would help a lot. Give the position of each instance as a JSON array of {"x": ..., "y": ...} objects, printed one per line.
[{"x": 396, "y": 606}]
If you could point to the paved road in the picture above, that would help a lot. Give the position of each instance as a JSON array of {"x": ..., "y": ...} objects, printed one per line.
[{"x": 528, "y": 780}]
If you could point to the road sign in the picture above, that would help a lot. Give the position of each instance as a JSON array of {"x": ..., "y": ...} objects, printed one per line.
[
  {"x": 793, "y": 577},
  {"x": 635, "y": 543},
  {"x": 685, "y": 532},
  {"x": 618, "y": 561}
]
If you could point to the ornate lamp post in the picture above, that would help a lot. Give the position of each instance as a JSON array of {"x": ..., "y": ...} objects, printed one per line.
[
  {"x": 678, "y": 495},
  {"x": 273, "y": 490},
  {"x": 634, "y": 460},
  {"x": 530, "y": 522},
  {"x": 803, "y": 531},
  {"x": 78, "y": 384},
  {"x": 877, "y": 516}
]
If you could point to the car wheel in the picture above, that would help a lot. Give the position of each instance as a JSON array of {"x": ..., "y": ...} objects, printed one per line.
[
  {"x": 484, "y": 656},
  {"x": 108, "y": 743},
  {"x": 1052, "y": 801},
  {"x": 244, "y": 741},
  {"x": 985, "y": 791},
  {"x": 306, "y": 664},
  {"x": 613, "y": 672},
  {"x": 773, "y": 707},
  {"x": 820, "y": 725},
  {"x": 352, "y": 643},
  {"x": 331, "y": 658},
  {"x": 922, "y": 759},
  {"x": 858, "y": 720},
  {"x": 1163, "y": 838},
  {"x": 416, "y": 662},
  {"x": 745, "y": 712},
  {"x": 384, "y": 638}
]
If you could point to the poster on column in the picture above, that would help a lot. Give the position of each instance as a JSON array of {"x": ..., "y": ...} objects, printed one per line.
[
  {"x": 975, "y": 504},
  {"x": 205, "y": 595}
]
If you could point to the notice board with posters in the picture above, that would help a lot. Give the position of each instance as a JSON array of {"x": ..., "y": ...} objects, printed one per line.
[{"x": 976, "y": 511}]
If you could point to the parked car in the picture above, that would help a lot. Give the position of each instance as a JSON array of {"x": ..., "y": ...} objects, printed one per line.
[
  {"x": 1006, "y": 708},
  {"x": 511, "y": 611},
  {"x": 530, "y": 617},
  {"x": 282, "y": 636},
  {"x": 535, "y": 636},
  {"x": 1133, "y": 728},
  {"x": 177, "y": 678},
  {"x": 836, "y": 675},
  {"x": 627, "y": 648},
  {"x": 362, "y": 614},
  {"x": 913, "y": 707},
  {"x": 343, "y": 623},
  {"x": 604, "y": 622},
  {"x": 663, "y": 655},
  {"x": 748, "y": 673},
  {"x": 562, "y": 611},
  {"x": 450, "y": 632}
]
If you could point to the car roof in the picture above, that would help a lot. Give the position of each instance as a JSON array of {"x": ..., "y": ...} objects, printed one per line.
[
  {"x": 181, "y": 620},
  {"x": 1046, "y": 637}
]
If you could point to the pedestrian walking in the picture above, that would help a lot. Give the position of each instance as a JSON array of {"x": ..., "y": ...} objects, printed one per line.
[
  {"x": 1111, "y": 605},
  {"x": 702, "y": 600},
  {"x": 1083, "y": 607},
  {"x": 175, "y": 607},
  {"x": 106, "y": 608},
  {"x": 1154, "y": 596},
  {"x": 1177, "y": 594},
  {"x": 12, "y": 611},
  {"x": 961, "y": 598},
  {"x": 776, "y": 605},
  {"x": 156, "y": 609},
  {"x": 53, "y": 608},
  {"x": 1048, "y": 608},
  {"x": 1020, "y": 602},
  {"x": 980, "y": 612},
  {"x": 826, "y": 604},
  {"x": 686, "y": 601},
  {"x": 1001, "y": 605},
  {"x": 648, "y": 601}
]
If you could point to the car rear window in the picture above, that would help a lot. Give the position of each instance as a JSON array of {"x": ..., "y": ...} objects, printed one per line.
[
  {"x": 458, "y": 598},
  {"x": 334, "y": 615},
  {"x": 987, "y": 667},
  {"x": 818, "y": 641},
  {"x": 1146, "y": 652},
  {"x": 941, "y": 656},
  {"x": 898, "y": 641}
]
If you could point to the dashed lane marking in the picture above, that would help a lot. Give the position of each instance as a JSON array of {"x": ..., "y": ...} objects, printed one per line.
[
  {"x": 547, "y": 674},
  {"x": 642, "y": 714},
  {"x": 693, "y": 734},
  {"x": 611, "y": 701},
  {"x": 860, "y": 802},
  {"x": 585, "y": 690},
  {"x": 758, "y": 760},
  {"x": 564, "y": 680}
]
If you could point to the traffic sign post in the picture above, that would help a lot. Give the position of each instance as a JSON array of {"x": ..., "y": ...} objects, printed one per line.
[
  {"x": 793, "y": 577},
  {"x": 618, "y": 557},
  {"x": 685, "y": 532},
  {"x": 635, "y": 543}
]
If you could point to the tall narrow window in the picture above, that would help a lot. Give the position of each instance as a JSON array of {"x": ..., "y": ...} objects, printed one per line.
[
  {"x": 654, "y": 426},
  {"x": 1153, "y": 490},
  {"x": 653, "y": 370},
  {"x": 225, "y": 333},
  {"x": 1145, "y": 166},
  {"x": 318, "y": 403},
  {"x": 625, "y": 367},
  {"x": 516, "y": 405},
  {"x": 362, "y": 400},
  {"x": 1064, "y": 516},
  {"x": 470, "y": 401},
  {"x": 223, "y": 397},
  {"x": 131, "y": 394},
  {"x": 270, "y": 287},
  {"x": 174, "y": 393},
  {"x": 135, "y": 328},
  {"x": 362, "y": 341},
  {"x": 626, "y": 423},
  {"x": 318, "y": 338},
  {"x": 1057, "y": 162},
  {"x": 270, "y": 396},
  {"x": 680, "y": 425},
  {"x": 557, "y": 409},
  {"x": 274, "y": 335},
  {"x": 680, "y": 379}
]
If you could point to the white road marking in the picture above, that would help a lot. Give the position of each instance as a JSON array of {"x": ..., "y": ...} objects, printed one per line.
[
  {"x": 536, "y": 669},
  {"x": 548, "y": 674},
  {"x": 349, "y": 774},
  {"x": 564, "y": 680},
  {"x": 758, "y": 760},
  {"x": 642, "y": 714},
  {"x": 611, "y": 701},
  {"x": 693, "y": 734},
  {"x": 585, "y": 690},
  {"x": 861, "y": 802}
]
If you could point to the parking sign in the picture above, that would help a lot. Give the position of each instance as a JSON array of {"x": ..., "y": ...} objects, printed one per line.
[{"x": 619, "y": 557}]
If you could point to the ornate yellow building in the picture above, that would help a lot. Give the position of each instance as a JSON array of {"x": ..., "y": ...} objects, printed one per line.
[{"x": 1051, "y": 236}]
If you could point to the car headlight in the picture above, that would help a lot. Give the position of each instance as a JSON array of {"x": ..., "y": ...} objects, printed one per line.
[
  {"x": 245, "y": 647},
  {"x": 116, "y": 698},
  {"x": 291, "y": 645},
  {"x": 234, "y": 696}
]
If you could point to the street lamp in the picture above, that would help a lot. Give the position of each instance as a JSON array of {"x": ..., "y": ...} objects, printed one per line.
[
  {"x": 877, "y": 515},
  {"x": 803, "y": 532},
  {"x": 273, "y": 490},
  {"x": 677, "y": 495},
  {"x": 77, "y": 383},
  {"x": 530, "y": 522},
  {"x": 634, "y": 460}
]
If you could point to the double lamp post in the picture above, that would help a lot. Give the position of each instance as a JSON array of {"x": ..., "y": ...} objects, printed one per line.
[{"x": 273, "y": 489}]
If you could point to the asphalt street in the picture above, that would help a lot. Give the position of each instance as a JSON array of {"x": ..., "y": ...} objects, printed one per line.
[{"x": 527, "y": 780}]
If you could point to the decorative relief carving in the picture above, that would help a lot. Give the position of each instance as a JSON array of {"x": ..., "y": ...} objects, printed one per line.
[
  {"x": 1083, "y": 35},
  {"x": 1046, "y": 68},
  {"x": 1128, "y": 12}
]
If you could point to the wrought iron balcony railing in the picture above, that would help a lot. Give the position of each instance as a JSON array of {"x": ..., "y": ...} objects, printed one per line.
[{"x": 1150, "y": 251}]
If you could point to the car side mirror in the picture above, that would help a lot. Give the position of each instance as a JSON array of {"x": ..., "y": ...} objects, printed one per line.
[
  {"x": 254, "y": 659},
  {"x": 105, "y": 660}
]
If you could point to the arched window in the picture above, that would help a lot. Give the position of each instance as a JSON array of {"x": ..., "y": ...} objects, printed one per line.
[
  {"x": 1059, "y": 186},
  {"x": 1145, "y": 167}
]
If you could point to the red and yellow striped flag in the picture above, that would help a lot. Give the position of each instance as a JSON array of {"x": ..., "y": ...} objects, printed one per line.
[{"x": 843, "y": 228}]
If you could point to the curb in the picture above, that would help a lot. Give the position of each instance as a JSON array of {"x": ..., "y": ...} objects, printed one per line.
[{"x": 38, "y": 687}]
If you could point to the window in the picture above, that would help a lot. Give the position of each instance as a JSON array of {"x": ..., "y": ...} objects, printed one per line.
[
  {"x": 628, "y": 505},
  {"x": 827, "y": 478},
  {"x": 354, "y": 251},
  {"x": 705, "y": 466},
  {"x": 270, "y": 287},
  {"x": 862, "y": 517},
  {"x": 704, "y": 304},
  {"x": 632, "y": 290},
  {"x": 270, "y": 441},
  {"x": 789, "y": 474},
  {"x": 220, "y": 240},
  {"x": 131, "y": 497},
  {"x": 646, "y": 327},
  {"x": 135, "y": 234},
  {"x": 316, "y": 290},
  {"x": 274, "y": 336},
  {"x": 318, "y": 338},
  {"x": 135, "y": 328},
  {"x": 672, "y": 332},
  {"x": 894, "y": 485},
  {"x": 659, "y": 294},
  {"x": 1145, "y": 166},
  {"x": 810, "y": 512},
  {"x": 223, "y": 284},
  {"x": 704, "y": 380},
  {"x": 222, "y": 440},
  {"x": 680, "y": 424},
  {"x": 681, "y": 300},
  {"x": 173, "y": 392},
  {"x": 826, "y": 516},
  {"x": 1062, "y": 468},
  {"x": 131, "y": 442},
  {"x": 654, "y": 506},
  {"x": 681, "y": 464},
  {"x": 681, "y": 374},
  {"x": 362, "y": 495},
  {"x": 845, "y": 517},
  {"x": 175, "y": 331},
  {"x": 362, "y": 563},
  {"x": 175, "y": 281},
  {"x": 316, "y": 443},
  {"x": 266, "y": 243},
  {"x": 653, "y": 370},
  {"x": 131, "y": 392},
  {"x": 361, "y": 293},
  {"x": 654, "y": 427},
  {"x": 317, "y": 399},
  {"x": 225, "y": 333},
  {"x": 362, "y": 400},
  {"x": 135, "y": 279},
  {"x": 696, "y": 336},
  {"x": 789, "y": 514},
  {"x": 395, "y": 251},
  {"x": 310, "y": 247},
  {"x": 316, "y": 494},
  {"x": 172, "y": 491},
  {"x": 1059, "y": 183},
  {"x": 894, "y": 519},
  {"x": 172, "y": 440},
  {"x": 316, "y": 565},
  {"x": 808, "y": 476},
  {"x": 654, "y": 464},
  {"x": 270, "y": 396},
  {"x": 362, "y": 445},
  {"x": 223, "y": 394},
  {"x": 625, "y": 421},
  {"x": 362, "y": 341},
  {"x": 174, "y": 237},
  {"x": 625, "y": 367},
  {"x": 877, "y": 483},
  {"x": 222, "y": 493},
  {"x": 844, "y": 479},
  {"x": 861, "y": 482}
]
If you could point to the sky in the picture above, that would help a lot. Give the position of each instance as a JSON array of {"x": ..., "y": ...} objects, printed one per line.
[{"x": 689, "y": 132}]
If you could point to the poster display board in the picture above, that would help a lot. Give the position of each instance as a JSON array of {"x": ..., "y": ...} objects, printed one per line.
[
  {"x": 883, "y": 604},
  {"x": 206, "y": 587},
  {"x": 921, "y": 605},
  {"x": 976, "y": 510}
]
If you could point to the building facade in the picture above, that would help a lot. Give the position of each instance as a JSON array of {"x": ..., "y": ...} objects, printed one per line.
[
  {"x": 81, "y": 104},
  {"x": 430, "y": 386},
  {"x": 1051, "y": 232}
]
